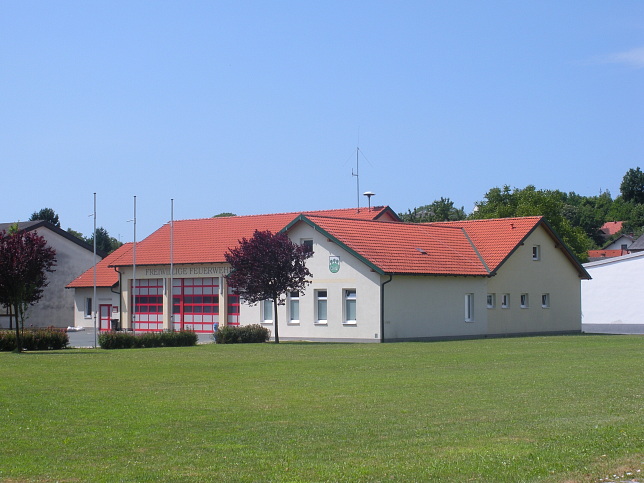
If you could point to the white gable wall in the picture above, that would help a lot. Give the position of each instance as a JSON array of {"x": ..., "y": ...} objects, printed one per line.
[{"x": 353, "y": 274}]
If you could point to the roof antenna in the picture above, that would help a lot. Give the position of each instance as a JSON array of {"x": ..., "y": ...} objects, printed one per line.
[{"x": 357, "y": 175}]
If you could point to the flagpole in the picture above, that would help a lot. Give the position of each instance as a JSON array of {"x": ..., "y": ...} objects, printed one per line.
[
  {"x": 95, "y": 301},
  {"x": 134, "y": 271},
  {"x": 171, "y": 264}
]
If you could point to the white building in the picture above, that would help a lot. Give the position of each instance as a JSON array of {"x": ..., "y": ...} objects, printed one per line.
[
  {"x": 613, "y": 301},
  {"x": 374, "y": 278}
]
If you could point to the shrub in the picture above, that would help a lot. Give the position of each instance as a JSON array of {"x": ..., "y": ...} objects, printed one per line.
[
  {"x": 35, "y": 339},
  {"x": 242, "y": 334},
  {"x": 128, "y": 340}
]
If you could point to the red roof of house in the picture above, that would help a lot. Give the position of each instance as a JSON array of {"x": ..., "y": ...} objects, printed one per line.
[
  {"x": 611, "y": 227},
  {"x": 473, "y": 247},
  {"x": 206, "y": 240},
  {"x": 394, "y": 247},
  {"x": 607, "y": 253},
  {"x": 106, "y": 276}
]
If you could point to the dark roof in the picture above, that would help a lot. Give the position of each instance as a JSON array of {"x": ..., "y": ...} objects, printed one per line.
[
  {"x": 34, "y": 225},
  {"x": 637, "y": 245}
]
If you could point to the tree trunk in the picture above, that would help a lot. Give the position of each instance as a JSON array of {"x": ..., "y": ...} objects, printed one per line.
[
  {"x": 277, "y": 335},
  {"x": 18, "y": 338}
]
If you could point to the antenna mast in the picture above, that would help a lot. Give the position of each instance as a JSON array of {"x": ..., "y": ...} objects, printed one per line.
[{"x": 357, "y": 175}]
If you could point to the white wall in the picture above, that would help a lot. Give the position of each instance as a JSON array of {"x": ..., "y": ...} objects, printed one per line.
[
  {"x": 353, "y": 274},
  {"x": 105, "y": 297},
  {"x": 615, "y": 295}
]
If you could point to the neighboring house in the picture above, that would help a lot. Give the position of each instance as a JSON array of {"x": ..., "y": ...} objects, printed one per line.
[
  {"x": 610, "y": 228},
  {"x": 623, "y": 242},
  {"x": 73, "y": 257},
  {"x": 613, "y": 301},
  {"x": 373, "y": 280},
  {"x": 637, "y": 245},
  {"x": 108, "y": 297}
]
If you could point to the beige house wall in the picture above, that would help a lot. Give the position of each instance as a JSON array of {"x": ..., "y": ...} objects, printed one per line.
[
  {"x": 423, "y": 307},
  {"x": 104, "y": 295},
  {"x": 552, "y": 274}
]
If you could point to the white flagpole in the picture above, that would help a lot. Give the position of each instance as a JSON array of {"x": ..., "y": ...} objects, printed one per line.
[
  {"x": 134, "y": 271},
  {"x": 171, "y": 264},
  {"x": 95, "y": 304}
]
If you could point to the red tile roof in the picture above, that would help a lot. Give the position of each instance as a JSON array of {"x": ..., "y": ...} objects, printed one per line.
[
  {"x": 611, "y": 227},
  {"x": 394, "y": 247},
  {"x": 106, "y": 276},
  {"x": 206, "y": 240},
  {"x": 496, "y": 238}
]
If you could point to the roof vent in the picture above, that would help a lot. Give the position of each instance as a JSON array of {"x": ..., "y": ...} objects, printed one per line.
[{"x": 421, "y": 251}]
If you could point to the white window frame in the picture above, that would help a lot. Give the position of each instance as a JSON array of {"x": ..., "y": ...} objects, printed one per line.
[
  {"x": 88, "y": 307},
  {"x": 536, "y": 252},
  {"x": 505, "y": 301},
  {"x": 545, "y": 300},
  {"x": 469, "y": 307},
  {"x": 293, "y": 301},
  {"x": 349, "y": 295},
  {"x": 319, "y": 298},
  {"x": 524, "y": 301},
  {"x": 267, "y": 311},
  {"x": 491, "y": 301}
]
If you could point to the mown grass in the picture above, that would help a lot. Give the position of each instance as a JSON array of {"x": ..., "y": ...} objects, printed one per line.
[{"x": 525, "y": 409}]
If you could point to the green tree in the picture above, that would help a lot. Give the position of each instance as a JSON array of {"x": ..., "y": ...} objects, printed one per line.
[
  {"x": 221, "y": 215},
  {"x": 77, "y": 234},
  {"x": 439, "y": 210},
  {"x": 507, "y": 203},
  {"x": 46, "y": 214},
  {"x": 632, "y": 187},
  {"x": 104, "y": 242},
  {"x": 25, "y": 260}
]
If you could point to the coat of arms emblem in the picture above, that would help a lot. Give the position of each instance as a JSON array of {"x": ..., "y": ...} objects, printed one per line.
[{"x": 334, "y": 264}]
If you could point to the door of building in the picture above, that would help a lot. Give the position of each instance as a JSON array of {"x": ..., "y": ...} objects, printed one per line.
[{"x": 105, "y": 312}]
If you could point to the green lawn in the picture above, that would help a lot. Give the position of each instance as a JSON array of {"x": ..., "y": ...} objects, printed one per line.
[{"x": 524, "y": 409}]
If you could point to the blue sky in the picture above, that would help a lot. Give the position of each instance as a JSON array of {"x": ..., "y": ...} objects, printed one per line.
[{"x": 258, "y": 107}]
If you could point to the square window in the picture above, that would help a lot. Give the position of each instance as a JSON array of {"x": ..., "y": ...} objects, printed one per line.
[
  {"x": 491, "y": 301},
  {"x": 545, "y": 300},
  {"x": 308, "y": 244},
  {"x": 505, "y": 301},
  {"x": 524, "y": 300}
]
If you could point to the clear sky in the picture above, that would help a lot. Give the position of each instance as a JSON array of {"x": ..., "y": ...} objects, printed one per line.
[{"x": 258, "y": 106}]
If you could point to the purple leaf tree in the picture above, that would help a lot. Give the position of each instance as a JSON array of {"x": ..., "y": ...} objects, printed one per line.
[
  {"x": 25, "y": 260},
  {"x": 266, "y": 267}
]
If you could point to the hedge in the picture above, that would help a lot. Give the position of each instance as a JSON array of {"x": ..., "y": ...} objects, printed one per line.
[
  {"x": 35, "y": 339},
  {"x": 127, "y": 340},
  {"x": 242, "y": 334}
]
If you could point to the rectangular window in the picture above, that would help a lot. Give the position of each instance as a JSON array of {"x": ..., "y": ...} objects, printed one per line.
[
  {"x": 88, "y": 308},
  {"x": 308, "y": 244},
  {"x": 505, "y": 301},
  {"x": 469, "y": 307},
  {"x": 294, "y": 307},
  {"x": 545, "y": 300},
  {"x": 491, "y": 300},
  {"x": 321, "y": 306},
  {"x": 524, "y": 300},
  {"x": 350, "y": 315},
  {"x": 267, "y": 311},
  {"x": 536, "y": 252}
]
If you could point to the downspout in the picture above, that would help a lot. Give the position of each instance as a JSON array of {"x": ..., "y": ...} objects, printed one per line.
[{"x": 382, "y": 307}]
